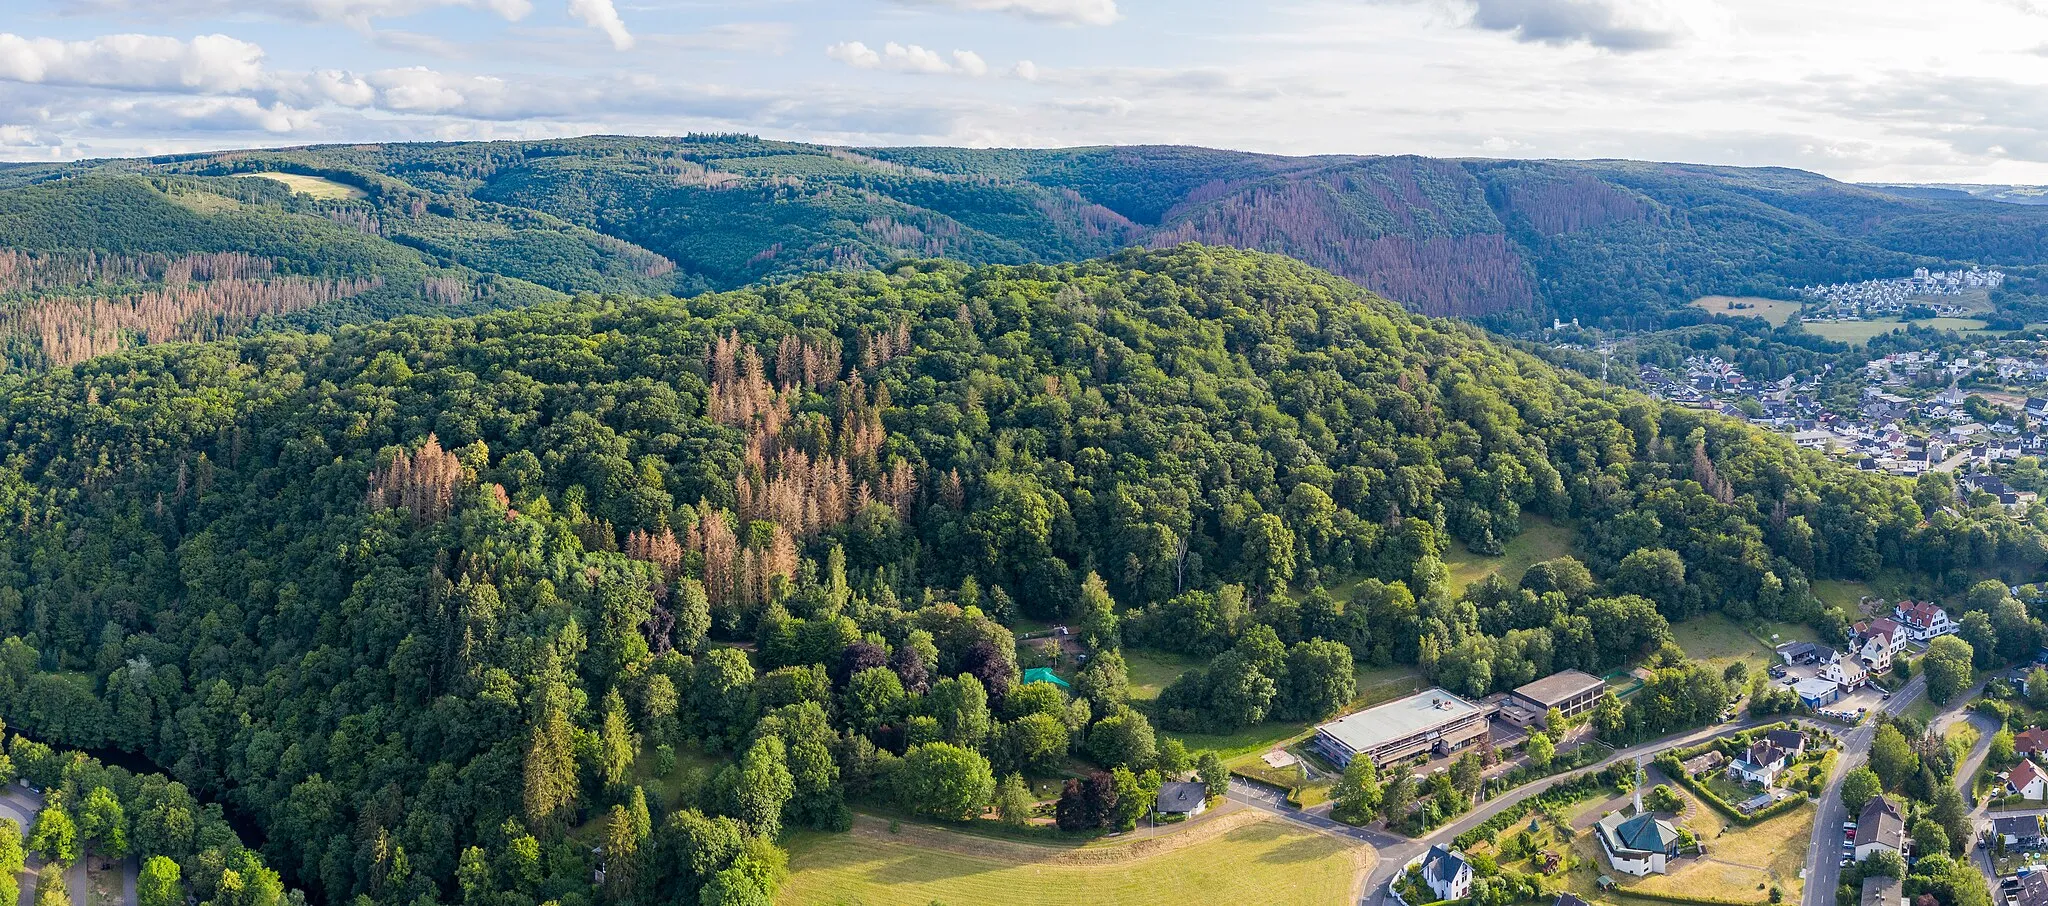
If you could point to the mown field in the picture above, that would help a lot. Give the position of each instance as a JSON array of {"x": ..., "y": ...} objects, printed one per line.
[
  {"x": 1240, "y": 858},
  {"x": 310, "y": 185},
  {"x": 1776, "y": 311}
]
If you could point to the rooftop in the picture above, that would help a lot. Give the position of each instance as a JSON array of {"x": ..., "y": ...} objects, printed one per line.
[
  {"x": 1643, "y": 833},
  {"x": 1180, "y": 798},
  {"x": 1879, "y": 890},
  {"x": 1398, "y": 719},
  {"x": 1559, "y": 687}
]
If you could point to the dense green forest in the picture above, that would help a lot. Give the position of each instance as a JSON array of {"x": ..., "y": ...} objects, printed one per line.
[
  {"x": 1513, "y": 243},
  {"x": 426, "y": 599}
]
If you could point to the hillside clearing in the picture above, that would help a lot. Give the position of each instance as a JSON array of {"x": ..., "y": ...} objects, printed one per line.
[
  {"x": 315, "y": 186},
  {"x": 1540, "y": 539},
  {"x": 1776, "y": 311},
  {"x": 1251, "y": 859}
]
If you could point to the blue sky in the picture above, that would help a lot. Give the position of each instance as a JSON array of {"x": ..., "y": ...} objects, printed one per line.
[{"x": 1869, "y": 89}]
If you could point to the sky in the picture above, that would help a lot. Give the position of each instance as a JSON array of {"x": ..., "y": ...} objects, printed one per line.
[{"x": 1865, "y": 90}]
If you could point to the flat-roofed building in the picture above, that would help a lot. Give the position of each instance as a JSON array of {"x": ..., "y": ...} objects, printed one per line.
[
  {"x": 1569, "y": 691},
  {"x": 1433, "y": 721}
]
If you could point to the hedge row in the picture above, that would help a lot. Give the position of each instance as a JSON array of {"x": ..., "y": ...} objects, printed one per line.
[
  {"x": 1564, "y": 792},
  {"x": 1721, "y": 805},
  {"x": 1682, "y": 898}
]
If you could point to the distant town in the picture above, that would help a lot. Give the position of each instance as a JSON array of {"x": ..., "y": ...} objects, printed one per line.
[{"x": 1891, "y": 297}]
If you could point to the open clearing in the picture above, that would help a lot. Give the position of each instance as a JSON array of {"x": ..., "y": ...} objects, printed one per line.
[
  {"x": 318, "y": 187},
  {"x": 1776, "y": 311},
  {"x": 1539, "y": 540},
  {"x": 1717, "y": 641},
  {"x": 1236, "y": 860}
]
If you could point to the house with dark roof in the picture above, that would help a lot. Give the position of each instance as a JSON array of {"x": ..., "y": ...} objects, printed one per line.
[
  {"x": 1638, "y": 845},
  {"x": 1880, "y": 890},
  {"x": 2031, "y": 889},
  {"x": 2018, "y": 831},
  {"x": 1760, "y": 763},
  {"x": 1567, "y": 898},
  {"x": 1184, "y": 799},
  {"x": 1881, "y": 827},
  {"x": 1446, "y": 872}
]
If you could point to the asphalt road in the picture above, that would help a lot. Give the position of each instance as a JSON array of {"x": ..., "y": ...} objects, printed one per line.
[
  {"x": 1395, "y": 851},
  {"x": 1824, "y": 853}
]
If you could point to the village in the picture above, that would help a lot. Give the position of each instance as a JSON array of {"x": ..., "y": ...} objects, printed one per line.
[
  {"x": 1901, "y": 425},
  {"x": 1881, "y": 298},
  {"x": 1751, "y": 806}
]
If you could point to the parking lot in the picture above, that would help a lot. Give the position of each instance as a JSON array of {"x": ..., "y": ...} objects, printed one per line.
[{"x": 1864, "y": 699}]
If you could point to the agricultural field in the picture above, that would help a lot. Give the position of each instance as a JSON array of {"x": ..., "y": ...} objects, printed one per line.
[
  {"x": 1776, "y": 311},
  {"x": 1228, "y": 860},
  {"x": 1852, "y": 331},
  {"x": 317, "y": 187},
  {"x": 1540, "y": 539}
]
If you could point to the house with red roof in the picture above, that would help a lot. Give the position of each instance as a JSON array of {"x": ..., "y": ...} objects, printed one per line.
[
  {"x": 1923, "y": 620},
  {"x": 2027, "y": 781},
  {"x": 2032, "y": 743}
]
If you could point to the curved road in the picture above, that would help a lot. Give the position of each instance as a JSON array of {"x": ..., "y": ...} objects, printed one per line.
[{"x": 1395, "y": 851}]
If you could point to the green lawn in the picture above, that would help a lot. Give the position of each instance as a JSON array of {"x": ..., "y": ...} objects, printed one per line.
[
  {"x": 1261, "y": 862},
  {"x": 1852, "y": 331},
  {"x": 1151, "y": 671},
  {"x": 1540, "y": 539}
]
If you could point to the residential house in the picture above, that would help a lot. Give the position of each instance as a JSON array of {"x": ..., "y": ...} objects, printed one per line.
[
  {"x": 2032, "y": 889},
  {"x": 2031, "y": 743},
  {"x": 1182, "y": 799},
  {"x": 2018, "y": 831},
  {"x": 1923, "y": 620},
  {"x": 1446, "y": 872},
  {"x": 1760, "y": 763},
  {"x": 1847, "y": 673},
  {"x": 1881, "y": 827},
  {"x": 1639, "y": 845},
  {"x": 1880, "y": 890},
  {"x": 2027, "y": 781},
  {"x": 1877, "y": 641}
]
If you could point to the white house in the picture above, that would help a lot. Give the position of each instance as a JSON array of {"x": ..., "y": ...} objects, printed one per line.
[
  {"x": 1923, "y": 620},
  {"x": 1760, "y": 763},
  {"x": 1847, "y": 673},
  {"x": 1639, "y": 845},
  {"x": 1877, "y": 642},
  {"x": 2027, "y": 781},
  {"x": 1881, "y": 827},
  {"x": 1446, "y": 872}
]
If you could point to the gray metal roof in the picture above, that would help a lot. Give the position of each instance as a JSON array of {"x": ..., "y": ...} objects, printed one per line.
[
  {"x": 1559, "y": 687},
  {"x": 1181, "y": 797},
  {"x": 1398, "y": 719}
]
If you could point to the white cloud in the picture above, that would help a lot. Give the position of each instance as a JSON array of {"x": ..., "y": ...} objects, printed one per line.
[
  {"x": 911, "y": 58},
  {"x": 1063, "y": 12},
  {"x": 1026, "y": 70},
  {"x": 356, "y": 13},
  {"x": 601, "y": 15},
  {"x": 208, "y": 63}
]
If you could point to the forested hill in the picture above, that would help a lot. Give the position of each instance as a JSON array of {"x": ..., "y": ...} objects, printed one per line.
[
  {"x": 1511, "y": 242},
  {"x": 425, "y": 598}
]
